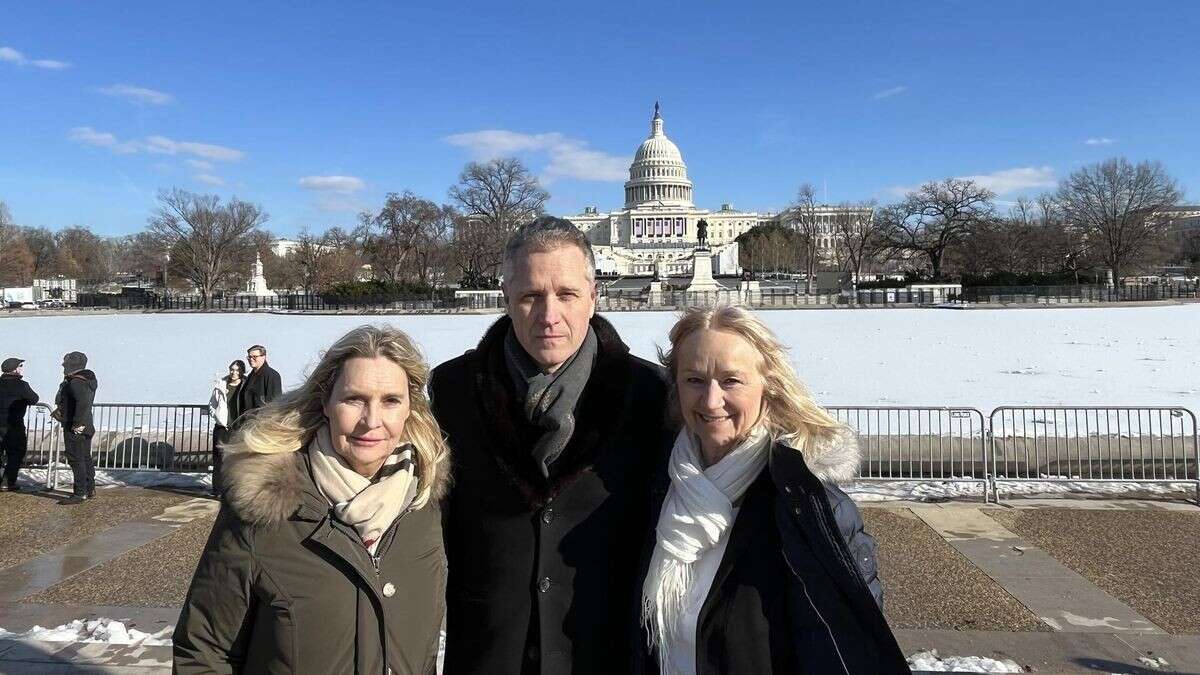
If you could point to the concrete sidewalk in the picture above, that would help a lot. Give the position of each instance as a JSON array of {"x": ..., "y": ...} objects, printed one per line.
[{"x": 1084, "y": 628}]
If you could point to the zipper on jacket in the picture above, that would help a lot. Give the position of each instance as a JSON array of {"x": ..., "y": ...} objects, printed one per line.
[{"x": 813, "y": 605}]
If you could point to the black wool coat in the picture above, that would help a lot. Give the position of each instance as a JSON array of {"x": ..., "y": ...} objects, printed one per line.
[
  {"x": 797, "y": 590},
  {"x": 260, "y": 387},
  {"x": 543, "y": 572},
  {"x": 15, "y": 398},
  {"x": 74, "y": 401}
]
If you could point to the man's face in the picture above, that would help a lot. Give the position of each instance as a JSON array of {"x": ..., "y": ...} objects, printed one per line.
[
  {"x": 256, "y": 358},
  {"x": 551, "y": 298}
]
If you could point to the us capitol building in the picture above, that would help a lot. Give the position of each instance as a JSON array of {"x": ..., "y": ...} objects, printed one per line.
[{"x": 657, "y": 231}]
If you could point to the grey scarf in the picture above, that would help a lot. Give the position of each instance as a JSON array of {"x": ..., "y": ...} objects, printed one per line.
[{"x": 548, "y": 399}]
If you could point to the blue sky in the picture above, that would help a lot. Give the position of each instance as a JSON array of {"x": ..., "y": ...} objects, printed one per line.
[{"x": 316, "y": 113}]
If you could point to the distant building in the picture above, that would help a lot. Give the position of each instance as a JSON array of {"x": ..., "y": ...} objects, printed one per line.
[
  {"x": 656, "y": 230},
  {"x": 59, "y": 288}
]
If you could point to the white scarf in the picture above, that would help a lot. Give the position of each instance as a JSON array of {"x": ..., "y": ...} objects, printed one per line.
[
  {"x": 696, "y": 515},
  {"x": 369, "y": 506}
]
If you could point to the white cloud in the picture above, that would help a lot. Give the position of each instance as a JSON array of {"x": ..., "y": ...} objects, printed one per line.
[
  {"x": 343, "y": 185},
  {"x": 102, "y": 139},
  {"x": 167, "y": 146},
  {"x": 200, "y": 164},
  {"x": 13, "y": 56},
  {"x": 158, "y": 145},
  {"x": 888, "y": 93},
  {"x": 140, "y": 95},
  {"x": 566, "y": 157},
  {"x": 1001, "y": 182},
  {"x": 1015, "y": 180},
  {"x": 209, "y": 179},
  {"x": 1100, "y": 141}
]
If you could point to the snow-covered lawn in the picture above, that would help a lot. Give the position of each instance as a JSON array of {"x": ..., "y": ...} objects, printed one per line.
[{"x": 978, "y": 358}]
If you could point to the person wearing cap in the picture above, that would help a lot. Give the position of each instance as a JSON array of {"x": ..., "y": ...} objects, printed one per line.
[
  {"x": 15, "y": 398},
  {"x": 74, "y": 411}
]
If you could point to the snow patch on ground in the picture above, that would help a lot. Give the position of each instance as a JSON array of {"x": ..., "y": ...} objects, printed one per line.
[
  {"x": 105, "y": 630},
  {"x": 930, "y": 661},
  {"x": 883, "y": 491},
  {"x": 36, "y": 478}
]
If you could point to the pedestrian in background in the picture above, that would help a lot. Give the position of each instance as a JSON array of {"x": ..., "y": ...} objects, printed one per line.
[
  {"x": 260, "y": 387},
  {"x": 15, "y": 398},
  {"x": 73, "y": 410},
  {"x": 222, "y": 406}
]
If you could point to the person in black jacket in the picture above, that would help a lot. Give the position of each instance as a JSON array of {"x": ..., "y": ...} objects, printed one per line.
[
  {"x": 15, "y": 398},
  {"x": 554, "y": 430},
  {"x": 73, "y": 409},
  {"x": 759, "y": 563},
  {"x": 260, "y": 387}
]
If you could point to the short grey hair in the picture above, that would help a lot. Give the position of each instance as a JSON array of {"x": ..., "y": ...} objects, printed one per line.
[{"x": 545, "y": 234}]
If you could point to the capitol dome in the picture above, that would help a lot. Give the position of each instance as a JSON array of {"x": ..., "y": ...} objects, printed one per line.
[{"x": 658, "y": 175}]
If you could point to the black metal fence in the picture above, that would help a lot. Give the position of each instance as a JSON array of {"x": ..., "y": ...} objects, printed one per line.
[
  {"x": 1077, "y": 294},
  {"x": 643, "y": 298}
]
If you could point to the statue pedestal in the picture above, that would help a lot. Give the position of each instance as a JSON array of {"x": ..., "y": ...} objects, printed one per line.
[
  {"x": 656, "y": 293},
  {"x": 750, "y": 292},
  {"x": 702, "y": 278}
]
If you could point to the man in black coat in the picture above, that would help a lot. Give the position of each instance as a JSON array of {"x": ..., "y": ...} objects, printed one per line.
[
  {"x": 73, "y": 409},
  {"x": 15, "y": 398},
  {"x": 261, "y": 386},
  {"x": 555, "y": 431}
]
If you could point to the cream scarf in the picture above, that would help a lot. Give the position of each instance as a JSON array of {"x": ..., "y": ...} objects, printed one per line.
[
  {"x": 369, "y": 505},
  {"x": 696, "y": 514}
]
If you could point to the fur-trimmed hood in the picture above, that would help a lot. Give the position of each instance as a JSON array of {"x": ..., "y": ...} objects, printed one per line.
[
  {"x": 265, "y": 489},
  {"x": 833, "y": 459}
]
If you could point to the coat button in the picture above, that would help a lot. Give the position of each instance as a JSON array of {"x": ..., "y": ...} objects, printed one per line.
[
  {"x": 548, "y": 515},
  {"x": 544, "y": 584},
  {"x": 389, "y": 589}
]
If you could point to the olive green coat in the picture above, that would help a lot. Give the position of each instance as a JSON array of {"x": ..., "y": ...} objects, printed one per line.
[{"x": 283, "y": 587}]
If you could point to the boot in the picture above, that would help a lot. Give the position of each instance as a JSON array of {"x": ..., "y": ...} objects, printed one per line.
[{"x": 73, "y": 499}]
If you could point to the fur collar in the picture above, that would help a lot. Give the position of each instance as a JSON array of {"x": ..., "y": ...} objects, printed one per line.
[
  {"x": 833, "y": 459},
  {"x": 266, "y": 489},
  {"x": 603, "y": 408}
]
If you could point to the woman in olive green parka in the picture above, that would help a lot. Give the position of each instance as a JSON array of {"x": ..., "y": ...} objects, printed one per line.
[{"x": 327, "y": 554}]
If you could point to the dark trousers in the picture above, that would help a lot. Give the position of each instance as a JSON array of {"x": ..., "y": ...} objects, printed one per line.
[
  {"x": 13, "y": 444},
  {"x": 220, "y": 435},
  {"x": 78, "y": 449}
]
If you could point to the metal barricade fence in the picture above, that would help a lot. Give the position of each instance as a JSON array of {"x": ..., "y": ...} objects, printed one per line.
[
  {"x": 919, "y": 443},
  {"x": 1155, "y": 444},
  {"x": 143, "y": 436},
  {"x": 42, "y": 434},
  {"x": 1147, "y": 444}
]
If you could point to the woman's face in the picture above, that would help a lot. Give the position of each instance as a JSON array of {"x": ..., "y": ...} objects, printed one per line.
[
  {"x": 235, "y": 372},
  {"x": 720, "y": 390},
  {"x": 367, "y": 411}
]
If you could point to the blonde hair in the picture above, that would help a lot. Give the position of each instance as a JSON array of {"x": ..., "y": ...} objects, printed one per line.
[
  {"x": 290, "y": 422},
  {"x": 788, "y": 409}
]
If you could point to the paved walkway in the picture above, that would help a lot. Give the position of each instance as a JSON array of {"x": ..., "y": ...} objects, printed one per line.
[{"x": 1090, "y": 630}]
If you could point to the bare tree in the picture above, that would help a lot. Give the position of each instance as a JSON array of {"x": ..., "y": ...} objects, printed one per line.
[
  {"x": 312, "y": 258},
  {"x": 806, "y": 224},
  {"x": 392, "y": 236},
  {"x": 1115, "y": 203},
  {"x": 206, "y": 239},
  {"x": 935, "y": 217},
  {"x": 496, "y": 198},
  {"x": 81, "y": 254},
  {"x": 858, "y": 235},
  {"x": 16, "y": 260}
]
